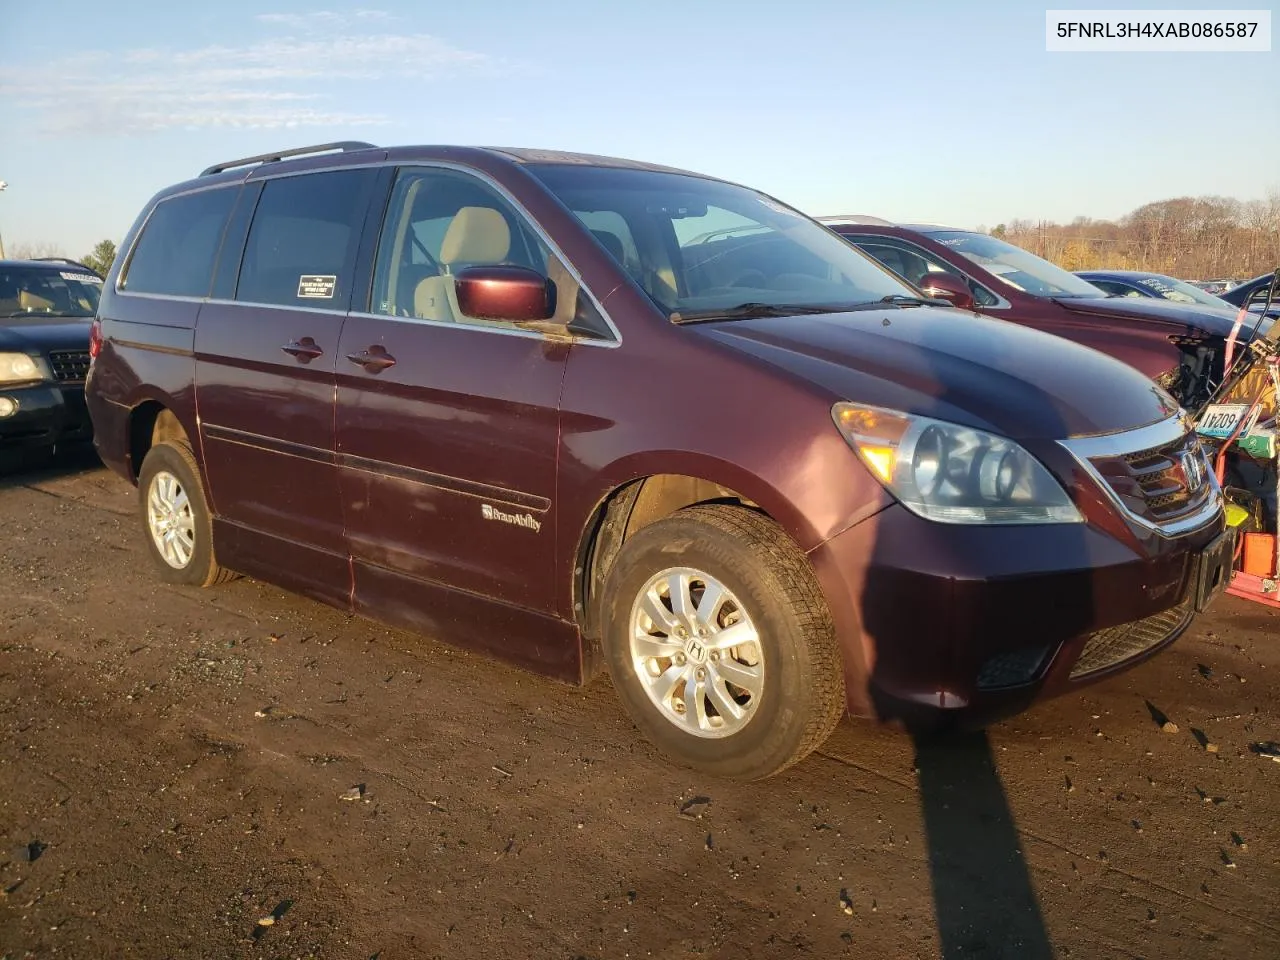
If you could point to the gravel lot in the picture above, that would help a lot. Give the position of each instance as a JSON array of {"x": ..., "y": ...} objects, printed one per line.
[{"x": 242, "y": 773}]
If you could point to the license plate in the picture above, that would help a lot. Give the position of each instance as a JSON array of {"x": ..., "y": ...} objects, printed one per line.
[
  {"x": 1221, "y": 419},
  {"x": 1214, "y": 570}
]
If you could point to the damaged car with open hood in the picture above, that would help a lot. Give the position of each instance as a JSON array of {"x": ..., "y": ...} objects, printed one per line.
[{"x": 1179, "y": 345}]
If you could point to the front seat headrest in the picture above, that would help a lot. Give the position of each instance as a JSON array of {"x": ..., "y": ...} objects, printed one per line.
[
  {"x": 476, "y": 235},
  {"x": 612, "y": 243}
]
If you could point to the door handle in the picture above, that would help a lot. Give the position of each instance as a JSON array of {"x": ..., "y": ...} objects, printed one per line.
[
  {"x": 374, "y": 360},
  {"x": 304, "y": 350}
]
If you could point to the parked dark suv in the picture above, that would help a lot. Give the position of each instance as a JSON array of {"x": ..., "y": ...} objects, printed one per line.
[
  {"x": 1180, "y": 346},
  {"x": 46, "y": 307},
  {"x": 579, "y": 411}
]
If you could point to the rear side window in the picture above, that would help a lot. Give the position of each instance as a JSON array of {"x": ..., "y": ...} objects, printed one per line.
[
  {"x": 174, "y": 255},
  {"x": 302, "y": 244}
]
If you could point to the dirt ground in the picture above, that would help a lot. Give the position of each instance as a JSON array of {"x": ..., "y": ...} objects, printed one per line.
[{"x": 242, "y": 773}]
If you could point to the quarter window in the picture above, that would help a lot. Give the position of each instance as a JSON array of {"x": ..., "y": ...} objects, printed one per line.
[
  {"x": 174, "y": 255},
  {"x": 301, "y": 248}
]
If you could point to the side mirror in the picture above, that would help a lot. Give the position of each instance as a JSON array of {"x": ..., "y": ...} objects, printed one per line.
[
  {"x": 945, "y": 286},
  {"x": 513, "y": 294}
]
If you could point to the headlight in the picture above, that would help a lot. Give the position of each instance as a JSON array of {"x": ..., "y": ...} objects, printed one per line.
[
  {"x": 953, "y": 474},
  {"x": 17, "y": 367}
]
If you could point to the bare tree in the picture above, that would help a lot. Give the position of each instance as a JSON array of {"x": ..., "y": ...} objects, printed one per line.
[
  {"x": 33, "y": 251},
  {"x": 1194, "y": 237}
]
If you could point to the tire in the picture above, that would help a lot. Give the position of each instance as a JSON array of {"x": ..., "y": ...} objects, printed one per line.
[
  {"x": 170, "y": 475},
  {"x": 786, "y": 688}
]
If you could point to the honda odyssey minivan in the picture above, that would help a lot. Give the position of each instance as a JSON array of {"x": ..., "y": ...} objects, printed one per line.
[{"x": 589, "y": 413}]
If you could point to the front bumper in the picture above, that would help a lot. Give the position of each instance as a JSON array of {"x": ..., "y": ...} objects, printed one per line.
[
  {"x": 47, "y": 414},
  {"x": 947, "y": 624}
]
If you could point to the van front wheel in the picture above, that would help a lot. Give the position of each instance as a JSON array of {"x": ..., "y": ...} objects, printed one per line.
[{"x": 720, "y": 644}]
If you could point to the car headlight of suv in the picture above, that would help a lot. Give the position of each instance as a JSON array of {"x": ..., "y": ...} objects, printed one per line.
[
  {"x": 951, "y": 473},
  {"x": 19, "y": 368}
]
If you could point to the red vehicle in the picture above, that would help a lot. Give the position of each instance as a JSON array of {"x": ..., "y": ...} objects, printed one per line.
[
  {"x": 584, "y": 412},
  {"x": 1180, "y": 346}
]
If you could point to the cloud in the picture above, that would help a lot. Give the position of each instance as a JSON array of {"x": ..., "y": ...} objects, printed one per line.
[
  {"x": 282, "y": 82},
  {"x": 324, "y": 19}
]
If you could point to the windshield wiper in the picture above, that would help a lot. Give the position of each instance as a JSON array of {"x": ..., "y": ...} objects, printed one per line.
[
  {"x": 44, "y": 313},
  {"x": 902, "y": 300},
  {"x": 748, "y": 311}
]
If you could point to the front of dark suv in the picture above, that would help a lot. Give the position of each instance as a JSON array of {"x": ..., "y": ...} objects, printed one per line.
[{"x": 46, "y": 307}]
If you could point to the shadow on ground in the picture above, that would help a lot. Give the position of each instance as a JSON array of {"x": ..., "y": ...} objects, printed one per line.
[
  {"x": 976, "y": 863},
  {"x": 20, "y": 467}
]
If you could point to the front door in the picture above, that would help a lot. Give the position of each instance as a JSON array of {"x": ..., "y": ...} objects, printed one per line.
[
  {"x": 265, "y": 363},
  {"x": 447, "y": 427}
]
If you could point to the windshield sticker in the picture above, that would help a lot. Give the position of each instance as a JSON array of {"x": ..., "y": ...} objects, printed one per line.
[
  {"x": 79, "y": 277},
  {"x": 314, "y": 286},
  {"x": 776, "y": 207}
]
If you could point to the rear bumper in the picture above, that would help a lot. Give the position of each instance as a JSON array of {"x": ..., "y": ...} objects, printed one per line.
[
  {"x": 110, "y": 431},
  {"x": 47, "y": 414},
  {"x": 945, "y": 624}
]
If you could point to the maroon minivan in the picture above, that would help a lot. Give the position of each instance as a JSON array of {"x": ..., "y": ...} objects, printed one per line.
[{"x": 585, "y": 412}]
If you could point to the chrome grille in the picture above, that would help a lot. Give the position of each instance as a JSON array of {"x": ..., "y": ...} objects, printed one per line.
[
  {"x": 1115, "y": 645},
  {"x": 1161, "y": 483},
  {"x": 1159, "y": 475},
  {"x": 69, "y": 365}
]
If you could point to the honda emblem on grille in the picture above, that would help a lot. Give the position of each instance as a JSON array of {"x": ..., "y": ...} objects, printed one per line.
[{"x": 1193, "y": 469}]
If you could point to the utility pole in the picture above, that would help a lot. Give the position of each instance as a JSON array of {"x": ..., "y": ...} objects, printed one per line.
[{"x": 2, "y": 186}]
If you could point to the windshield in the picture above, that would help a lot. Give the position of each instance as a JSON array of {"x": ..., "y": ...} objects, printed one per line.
[
  {"x": 1180, "y": 291},
  {"x": 697, "y": 245},
  {"x": 48, "y": 291},
  {"x": 1019, "y": 269}
]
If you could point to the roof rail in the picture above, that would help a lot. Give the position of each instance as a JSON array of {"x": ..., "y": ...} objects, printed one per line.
[
  {"x": 342, "y": 145},
  {"x": 856, "y": 218},
  {"x": 74, "y": 263}
]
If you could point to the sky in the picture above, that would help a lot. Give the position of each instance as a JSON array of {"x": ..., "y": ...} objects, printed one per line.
[{"x": 942, "y": 112}]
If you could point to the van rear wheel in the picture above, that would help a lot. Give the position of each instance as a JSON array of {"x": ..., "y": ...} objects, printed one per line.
[
  {"x": 720, "y": 644},
  {"x": 175, "y": 516}
]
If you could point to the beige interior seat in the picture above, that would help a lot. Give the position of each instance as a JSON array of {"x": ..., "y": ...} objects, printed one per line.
[
  {"x": 30, "y": 301},
  {"x": 476, "y": 235}
]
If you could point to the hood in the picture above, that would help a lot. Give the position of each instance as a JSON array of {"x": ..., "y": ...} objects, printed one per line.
[
  {"x": 1193, "y": 317},
  {"x": 38, "y": 334},
  {"x": 954, "y": 366}
]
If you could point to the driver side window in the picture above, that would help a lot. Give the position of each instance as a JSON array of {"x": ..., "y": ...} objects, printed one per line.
[
  {"x": 914, "y": 265},
  {"x": 437, "y": 223},
  {"x": 1115, "y": 289}
]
